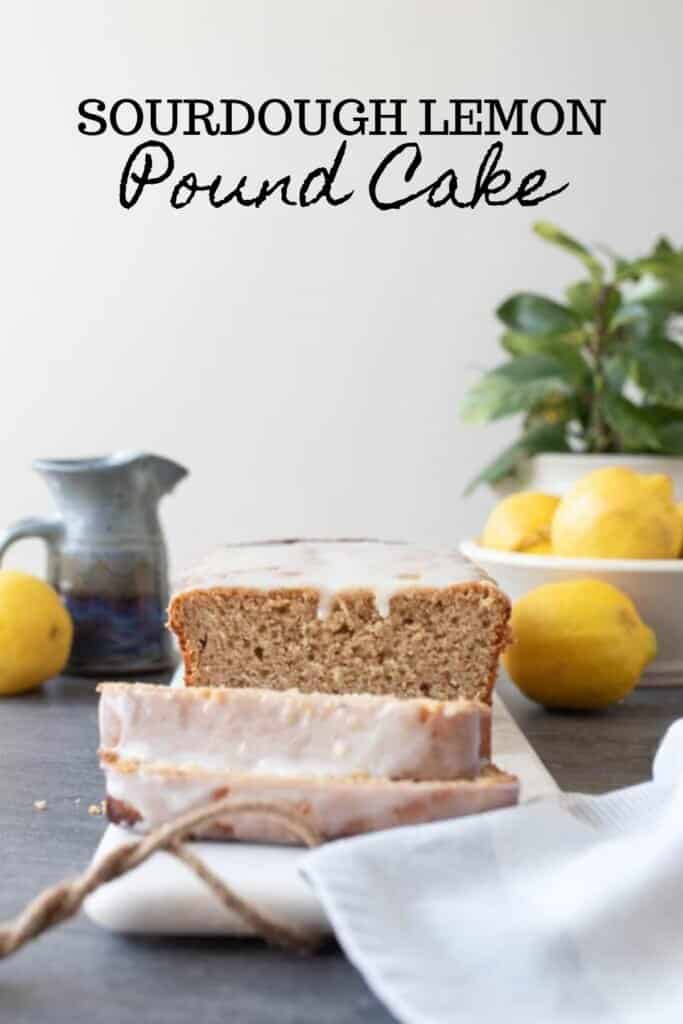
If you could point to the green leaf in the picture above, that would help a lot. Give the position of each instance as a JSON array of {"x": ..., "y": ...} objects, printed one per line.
[
  {"x": 616, "y": 369},
  {"x": 657, "y": 368},
  {"x": 556, "y": 409},
  {"x": 629, "y": 313},
  {"x": 611, "y": 300},
  {"x": 643, "y": 323},
  {"x": 663, "y": 249},
  {"x": 662, "y": 415},
  {"x": 561, "y": 347},
  {"x": 550, "y": 233},
  {"x": 671, "y": 438},
  {"x": 513, "y": 387},
  {"x": 666, "y": 267},
  {"x": 666, "y": 299},
  {"x": 590, "y": 301},
  {"x": 537, "y": 439},
  {"x": 668, "y": 423},
  {"x": 582, "y": 298},
  {"x": 630, "y": 423},
  {"x": 534, "y": 314}
]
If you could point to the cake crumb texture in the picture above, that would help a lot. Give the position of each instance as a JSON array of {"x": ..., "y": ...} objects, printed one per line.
[{"x": 438, "y": 642}]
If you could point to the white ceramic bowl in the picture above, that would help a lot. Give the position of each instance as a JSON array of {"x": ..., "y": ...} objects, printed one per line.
[{"x": 654, "y": 585}]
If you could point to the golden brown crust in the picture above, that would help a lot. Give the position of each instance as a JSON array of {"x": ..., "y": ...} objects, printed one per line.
[
  {"x": 490, "y": 775},
  {"x": 222, "y": 695},
  {"x": 121, "y": 813}
]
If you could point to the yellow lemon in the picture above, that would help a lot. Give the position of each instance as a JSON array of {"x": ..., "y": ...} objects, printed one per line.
[
  {"x": 521, "y": 523},
  {"x": 35, "y": 632},
  {"x": 577, "y": 644},
  {"x": 679, "y": 508},
  {"x": 618, "y": 513}
]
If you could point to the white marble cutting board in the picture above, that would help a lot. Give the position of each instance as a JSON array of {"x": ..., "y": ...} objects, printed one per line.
[{"x": 163, "y": 897}]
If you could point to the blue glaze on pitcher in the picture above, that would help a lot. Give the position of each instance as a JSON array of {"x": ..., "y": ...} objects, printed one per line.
[{"x": 107, "y": 557}]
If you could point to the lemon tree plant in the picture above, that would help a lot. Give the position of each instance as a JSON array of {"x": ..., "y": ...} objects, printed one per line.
[{"x": 599, "y": 372}]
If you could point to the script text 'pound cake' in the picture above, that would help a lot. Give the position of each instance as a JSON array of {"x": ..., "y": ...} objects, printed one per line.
[{"x": 341, "y": 617}]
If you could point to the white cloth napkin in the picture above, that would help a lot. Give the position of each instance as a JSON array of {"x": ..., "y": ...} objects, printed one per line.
[{"x": 567, "y": 910}]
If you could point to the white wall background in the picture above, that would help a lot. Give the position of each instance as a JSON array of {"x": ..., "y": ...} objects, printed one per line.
[{"x": 307, "y": 366}]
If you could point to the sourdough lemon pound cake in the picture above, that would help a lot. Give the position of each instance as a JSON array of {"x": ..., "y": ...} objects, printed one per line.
[
  {"x": 341, "y": 617},
  {"x": 348, "y": 682}
]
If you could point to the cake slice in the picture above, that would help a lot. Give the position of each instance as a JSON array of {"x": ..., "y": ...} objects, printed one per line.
[
  {"x": 266, "y": 732},
  {"x": 341, "y": 617},
  {"x": 145, "y": 795}
]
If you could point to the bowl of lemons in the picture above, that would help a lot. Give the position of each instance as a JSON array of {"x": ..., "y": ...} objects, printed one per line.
[{"x": 596, "y": 579}]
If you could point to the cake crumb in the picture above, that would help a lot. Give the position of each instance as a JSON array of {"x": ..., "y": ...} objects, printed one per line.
[
  {"x": 96, "y": 809},
  {"x": 40, "y": 805},
  {"x": 417, "y": 622}
]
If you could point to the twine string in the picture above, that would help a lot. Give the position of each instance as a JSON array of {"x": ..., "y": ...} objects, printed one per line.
[{"x": 60, "y": 902}]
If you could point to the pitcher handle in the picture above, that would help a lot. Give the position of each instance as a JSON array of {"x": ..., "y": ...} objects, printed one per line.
[{"x": 49, "y": 530}]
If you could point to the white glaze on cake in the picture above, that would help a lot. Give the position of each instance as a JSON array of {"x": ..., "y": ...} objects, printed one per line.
[
  {"x": 289, "y": 733},
  {"x": 148, "y": 795},
  {"x": 331, "y": 567}
]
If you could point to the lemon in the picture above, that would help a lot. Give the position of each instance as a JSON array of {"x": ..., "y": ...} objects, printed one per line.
[
  {"x": 521, "y": 523},
  {"x": 35, "y": 632},
  {"x": 679, "y": 508},
  {"x": 577, "y": 644},
  {"x": 618, "y": 513}
]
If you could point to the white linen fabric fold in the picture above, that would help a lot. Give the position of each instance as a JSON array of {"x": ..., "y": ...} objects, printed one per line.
[{"x": 566, "y": 910}]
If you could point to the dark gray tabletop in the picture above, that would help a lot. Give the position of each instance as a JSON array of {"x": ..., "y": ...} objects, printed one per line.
[{"x": 81, "y": 974}]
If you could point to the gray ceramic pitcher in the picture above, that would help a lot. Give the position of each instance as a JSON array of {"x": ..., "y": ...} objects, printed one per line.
[{"x": 107, "y": 557}]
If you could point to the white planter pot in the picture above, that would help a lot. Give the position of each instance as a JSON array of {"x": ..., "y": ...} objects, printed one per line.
[{"x": 555, "y": 474}]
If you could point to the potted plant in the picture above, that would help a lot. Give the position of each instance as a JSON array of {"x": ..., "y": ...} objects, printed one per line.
[{"x": 597, "y": 378}]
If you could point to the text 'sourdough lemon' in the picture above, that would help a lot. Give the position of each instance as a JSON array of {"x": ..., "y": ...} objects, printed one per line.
[
  {"x": 577, "y": 644},
  {"x": 35, "y": 632},
  {"x": 618, "y": 513},
  {"x": 521, "y": 523}
]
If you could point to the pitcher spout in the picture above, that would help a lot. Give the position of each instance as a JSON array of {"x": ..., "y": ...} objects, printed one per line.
[{"x": 165, "y": 472}]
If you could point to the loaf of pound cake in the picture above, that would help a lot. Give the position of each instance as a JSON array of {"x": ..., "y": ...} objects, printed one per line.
[{"x": 341, "y": 617}]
